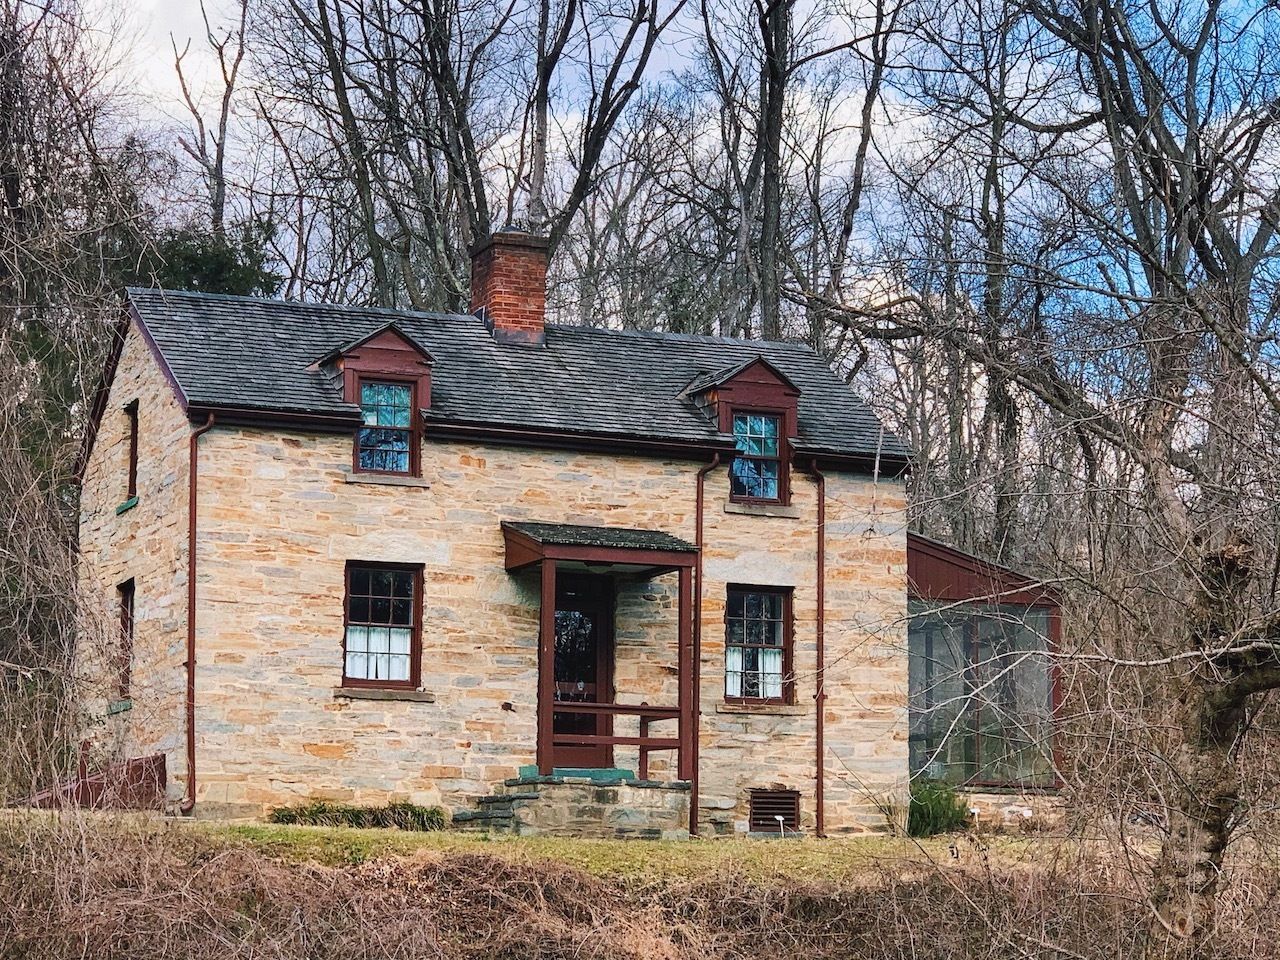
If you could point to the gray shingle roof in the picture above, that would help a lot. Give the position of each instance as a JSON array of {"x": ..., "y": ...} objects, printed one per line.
[
  {"x": 261, "y": 354},
  {"x": 575, "y": 535}
]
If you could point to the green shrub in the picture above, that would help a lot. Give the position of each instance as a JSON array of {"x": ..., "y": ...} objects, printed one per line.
[
  {"x": 322, "y": 813},
  {"x": 936, "y": 808}
]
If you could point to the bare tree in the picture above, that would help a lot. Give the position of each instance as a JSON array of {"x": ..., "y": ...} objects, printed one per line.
[{"x": 208, "y": 147}]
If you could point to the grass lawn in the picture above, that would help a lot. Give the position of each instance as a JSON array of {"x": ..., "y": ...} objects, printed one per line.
[{"x": 808, "y": 859}]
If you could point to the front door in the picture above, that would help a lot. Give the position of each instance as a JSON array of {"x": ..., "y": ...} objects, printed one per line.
[{"x": 584, "y": 666}]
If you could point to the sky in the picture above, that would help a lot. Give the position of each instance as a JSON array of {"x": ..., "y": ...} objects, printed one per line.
[{"x": 145, "y": 27}]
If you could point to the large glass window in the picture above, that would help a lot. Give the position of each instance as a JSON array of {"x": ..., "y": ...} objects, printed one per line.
[
  {"x": 981, "y": 694},
  {"x": 385, "y": 443},
  {"x": 757, "y": 644},
  {"x": 756, "y": 473},
  {"x": 381, "y": 639}
]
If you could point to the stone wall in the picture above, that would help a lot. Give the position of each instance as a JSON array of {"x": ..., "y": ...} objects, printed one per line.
[
  {"x": 147, "y": 542},
  {"x": 582, "y": 807},
  {"x": 279, "y": 517}
]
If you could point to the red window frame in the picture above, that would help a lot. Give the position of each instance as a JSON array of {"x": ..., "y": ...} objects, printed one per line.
[
  {"x": 783, "y": 458},
  {"x": 415, "y": 637},
  {"x": 131, "y": 412},
  {"x": 125, "y": 594},
  {"x": 788, "y": 643},
  {"x": 414, "y": 429}
]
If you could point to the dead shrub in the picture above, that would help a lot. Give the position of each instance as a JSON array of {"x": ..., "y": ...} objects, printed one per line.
[{"x": 95, "y": 888}]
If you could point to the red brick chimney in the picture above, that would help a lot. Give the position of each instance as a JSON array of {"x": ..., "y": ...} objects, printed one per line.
[{"x": 509, "y": 285}]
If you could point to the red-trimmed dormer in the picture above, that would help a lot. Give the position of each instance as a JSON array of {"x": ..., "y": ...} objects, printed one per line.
[
  {"x": 756, "y": 403},
  {"x": 388, "y": 376}
]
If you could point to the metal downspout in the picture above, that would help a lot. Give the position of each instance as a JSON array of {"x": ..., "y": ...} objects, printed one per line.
[
  {"x": 697, "y": 645},
  {"x": 189, "y": 802}
]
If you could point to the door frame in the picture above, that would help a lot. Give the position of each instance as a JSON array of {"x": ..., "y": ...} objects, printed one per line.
[{"x": 601, "y": 599}]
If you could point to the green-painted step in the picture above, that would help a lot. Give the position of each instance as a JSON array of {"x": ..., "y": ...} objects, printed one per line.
[{"x": 592, "y": 773}]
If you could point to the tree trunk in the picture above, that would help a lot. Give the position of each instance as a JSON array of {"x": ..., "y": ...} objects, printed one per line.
[
  {"x": 1211, "y": 719},
  {"x": 775, "y": 28}
]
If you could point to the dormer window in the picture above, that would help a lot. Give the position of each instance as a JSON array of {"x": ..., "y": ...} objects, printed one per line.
[
  {"x": 387, "y": 443},
  {"x": 758, "y": 471},
  {"x": 387, "y": 375},
  {"x": 758, "y": 404}
]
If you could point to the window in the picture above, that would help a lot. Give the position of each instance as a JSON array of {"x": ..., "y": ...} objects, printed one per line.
[
  {"x": 757, "y": 651},
  {"x": 131, "y": 412},
  {"x": 774, "y": 811},
  {"x": 981, "y": 694},
  {"x": 124, "y": 654},
  {"x": 382, "y": 638},
  {"x": 757, "y": 472},
  {"x": 387, "y": 441}
]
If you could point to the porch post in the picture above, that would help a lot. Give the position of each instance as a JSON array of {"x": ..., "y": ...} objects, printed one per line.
[
  {"x": 685, "y": 676},
  {"x": 546, "y": 666}
]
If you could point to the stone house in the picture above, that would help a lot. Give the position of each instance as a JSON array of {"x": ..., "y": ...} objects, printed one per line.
[{"x": 484, "y": 561}]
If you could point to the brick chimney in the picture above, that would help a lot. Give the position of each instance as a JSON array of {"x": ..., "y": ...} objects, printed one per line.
[{"x": 509, "y": 285}]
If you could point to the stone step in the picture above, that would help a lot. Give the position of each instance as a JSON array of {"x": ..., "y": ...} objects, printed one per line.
[
  {"x": 485, "y": 820},
  {"x": 509, "y": 798}
]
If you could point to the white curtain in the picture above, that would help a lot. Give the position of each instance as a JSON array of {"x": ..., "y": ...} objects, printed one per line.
[
  {"x": 771, "y": 673},
  {"x": 733, "y": 671}
]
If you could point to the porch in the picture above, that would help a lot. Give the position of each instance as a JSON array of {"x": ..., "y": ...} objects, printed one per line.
[{"x": 580, "y": 571}]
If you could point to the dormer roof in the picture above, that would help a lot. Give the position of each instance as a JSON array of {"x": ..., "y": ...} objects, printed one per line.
[
  {"x": 718, "y": 378},
  {"x": 390, "y": 327}
]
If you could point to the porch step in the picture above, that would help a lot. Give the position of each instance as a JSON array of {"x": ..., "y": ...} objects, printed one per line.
[
  {"x": 582, "y": 807},
  {"x": 604, "y": 774}
]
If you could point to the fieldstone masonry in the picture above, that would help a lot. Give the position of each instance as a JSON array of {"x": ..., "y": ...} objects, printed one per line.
[{"x": 279, "y": 516}]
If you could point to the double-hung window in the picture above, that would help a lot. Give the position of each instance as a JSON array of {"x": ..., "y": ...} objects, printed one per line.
[
  {"x": 382, "y": 638},
  {"x": 757, "y": 650},
  {"x": 387, "y": 441},
  {"x": 757, "y": 471}
]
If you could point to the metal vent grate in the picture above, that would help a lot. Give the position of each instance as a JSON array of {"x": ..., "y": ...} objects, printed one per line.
[{"x": 768, "y": 805}]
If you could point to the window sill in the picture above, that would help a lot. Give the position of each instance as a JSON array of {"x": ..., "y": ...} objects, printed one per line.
[
  {"x": 763, "y": 509},
  {"x": 765, "y": 709},
  {"x": 127, "y": 505},
  {"x": 385, "y": 480},
  {"x": 119, "y": 706},
  {"x": 383, "y": 693}
]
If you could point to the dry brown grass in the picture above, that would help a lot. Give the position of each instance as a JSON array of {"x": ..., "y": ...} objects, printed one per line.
[{"x": 100, "y": 888}]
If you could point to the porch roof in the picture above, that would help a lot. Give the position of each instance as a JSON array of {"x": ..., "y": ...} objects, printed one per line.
[{"x": 531, "y": 542}]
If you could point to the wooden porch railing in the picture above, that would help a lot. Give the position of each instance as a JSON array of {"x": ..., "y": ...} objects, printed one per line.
[{"x": 648, "y": 714}]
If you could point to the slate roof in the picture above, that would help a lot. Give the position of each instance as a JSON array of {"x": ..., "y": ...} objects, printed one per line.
[
  {"x": 243, "y": 352},
  {"x": 574, "y": 535}
]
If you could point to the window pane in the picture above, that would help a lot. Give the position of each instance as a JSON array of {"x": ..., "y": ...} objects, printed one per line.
[
  {"x": 358, "y": 638},
  {"x": 379, "y": 640},
  {"x": 399, "y": 641},
  {"x": 357, "y": 666},
  {"x": 399, "y": 668},
  {"x": 733, "y": 671},
  {"x": 359, "y": 610},
  {"x": 359, "y": 580},
  {"x": 771, "y": 673},
  {"x": 773, "y": 633}
]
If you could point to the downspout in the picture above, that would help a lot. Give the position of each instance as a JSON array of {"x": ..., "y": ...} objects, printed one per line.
[
  {"x": 189, "y": 802},
  {"x": 820, "y": 692},
  {"x": 697, "y": 645}
]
